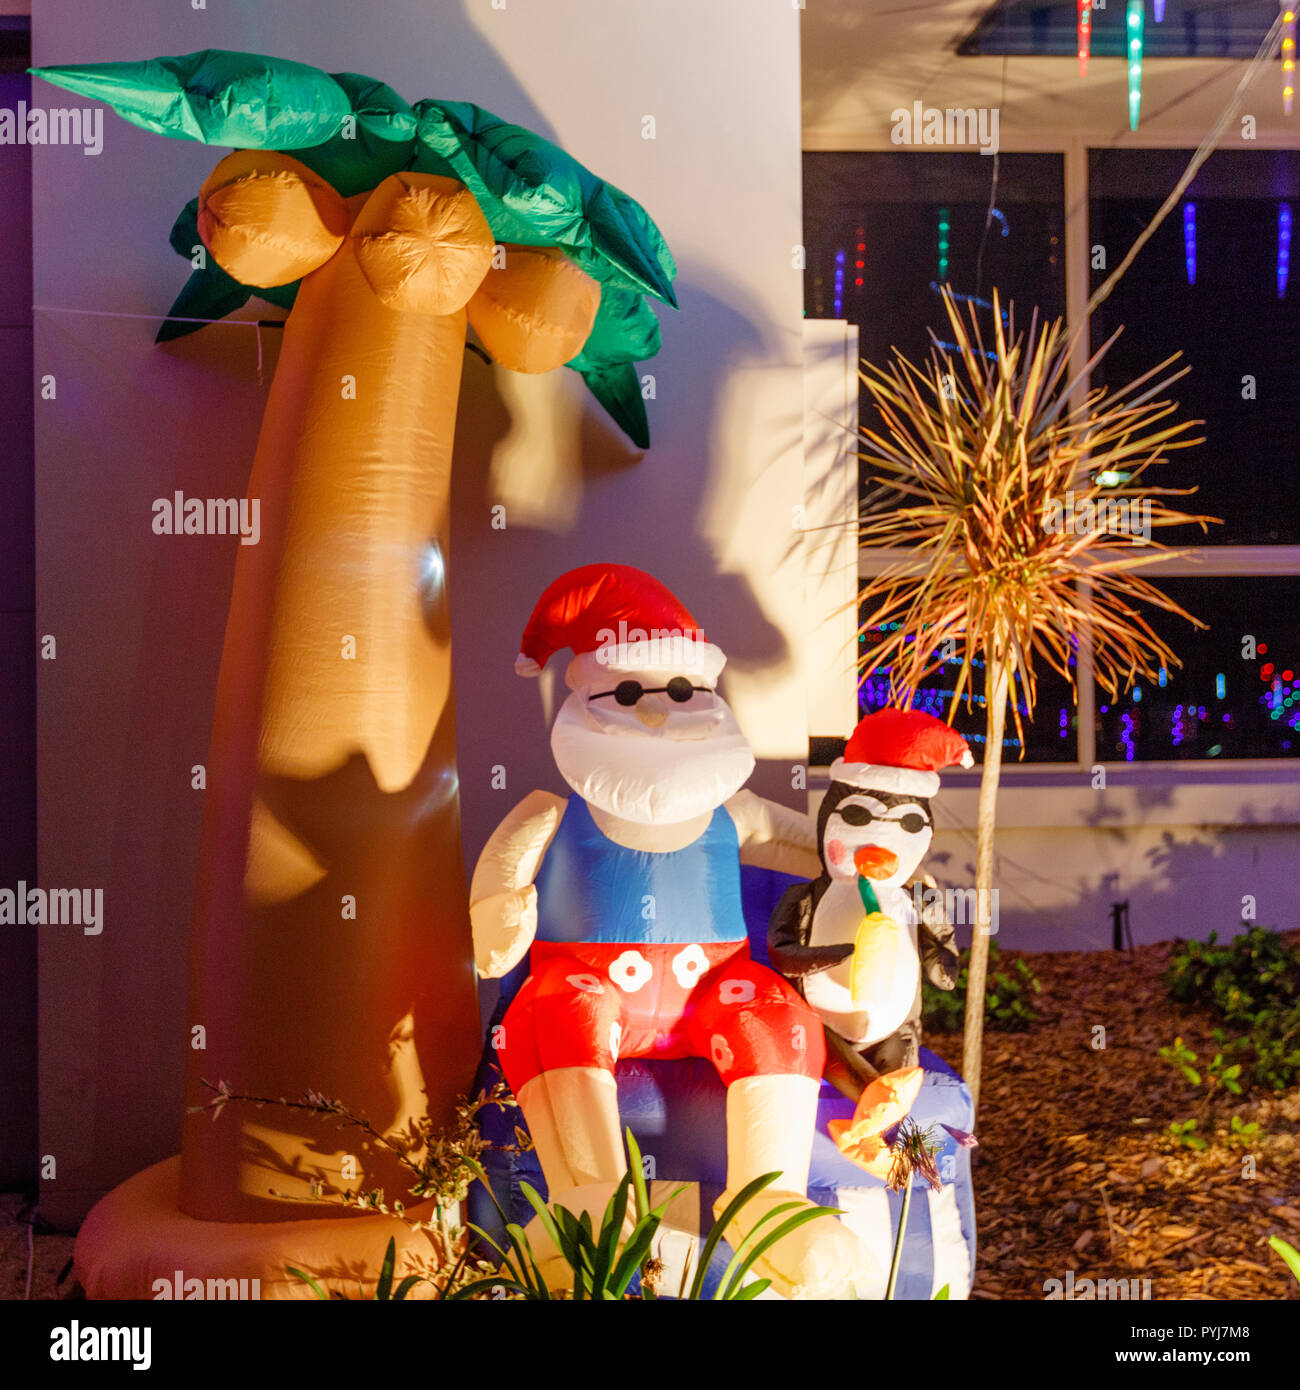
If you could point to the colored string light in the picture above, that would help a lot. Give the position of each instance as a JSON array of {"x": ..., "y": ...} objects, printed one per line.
[
  {"x": 860, "y": 263},
  {"x": 1136, "y": 19},
  {"x": 839, "y": 284},
  {"x": 1189, "y": 241},
  {"x": 1160, "y": 11},
  {"x": 1283, "y": 247},
  {"x": 1288, "y": 58},
  {"x": 1085, "y": 35},
  {"x": 945, "y": 226}
]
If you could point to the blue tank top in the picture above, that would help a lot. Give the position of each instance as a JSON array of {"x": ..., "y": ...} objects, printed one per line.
[{"x": 591, "y": 889}]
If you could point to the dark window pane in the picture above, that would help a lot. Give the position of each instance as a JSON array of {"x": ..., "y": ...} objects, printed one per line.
[
  {"x": 1214, "y": 281},
  {"x": 916, "y": 220},
  {"x": 1188, "y": 29},
  {"x": 1050, "y": 737},
  {"x": 1221, "y": 703}
]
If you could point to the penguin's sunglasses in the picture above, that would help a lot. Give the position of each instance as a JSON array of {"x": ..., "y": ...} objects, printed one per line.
[
  {"x": 913, "y": 822},
  {"x": 629, "y": 692}
]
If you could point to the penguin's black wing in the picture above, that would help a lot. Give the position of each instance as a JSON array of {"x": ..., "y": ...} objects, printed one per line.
[{"x": 789, "y": 929}]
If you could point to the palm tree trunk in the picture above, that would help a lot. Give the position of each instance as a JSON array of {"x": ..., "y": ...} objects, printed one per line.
[
  {"x": 330, "y": 940},
  {"x": 996, "y": 680}
]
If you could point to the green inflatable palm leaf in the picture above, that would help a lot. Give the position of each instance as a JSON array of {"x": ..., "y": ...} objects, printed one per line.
[
  {"x": 217, "y": 96},
  {"x": 532, "y": 192},
  {"x": 618, "y": 389},
  {"x": 354, "y": 131}
]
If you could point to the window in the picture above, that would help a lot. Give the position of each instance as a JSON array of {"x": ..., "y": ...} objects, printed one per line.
[
  {"x": 1050, "y": 737},
  {"x": 1187, "y": 29},
  {"x": 884, "y": 230},
  {"x": 1214, "y": 283}
]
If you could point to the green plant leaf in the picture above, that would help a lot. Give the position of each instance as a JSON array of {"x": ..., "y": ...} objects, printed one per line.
[
  {"x": 309, "y": 1281},
  {"x": 942, "y": 1296},
  {"x": 761, "y": 1247},
  {"x": 636, "y": 1167},
  {"x": 1288, "y": 1252},
  {"x": 510, "y": 1260},
  {"x": 611, "y": 1230},
  {"x": 635, "y": 1253},
  {"x": 553, "y": 1222},
  {"x": 527, "y": 1261},
  {"x": 735, "y": 1269},
  {"x": 718, "y": 1229},
  {"x": 384, "y": 1289}
]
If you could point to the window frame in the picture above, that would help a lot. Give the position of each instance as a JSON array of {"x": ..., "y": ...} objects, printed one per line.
[{"x": 1207, "y": 562}]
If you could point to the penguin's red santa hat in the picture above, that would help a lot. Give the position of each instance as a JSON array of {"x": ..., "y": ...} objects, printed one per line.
[
  {"x": 617, "y": 619},
  {"x": 901, "y": 751}
]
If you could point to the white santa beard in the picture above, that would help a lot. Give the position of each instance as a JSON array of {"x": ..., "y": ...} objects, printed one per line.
[{"x": 655, "y": 779}]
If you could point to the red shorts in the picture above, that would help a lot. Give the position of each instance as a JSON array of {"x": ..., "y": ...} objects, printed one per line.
[{"x": 587, "y": 1005}]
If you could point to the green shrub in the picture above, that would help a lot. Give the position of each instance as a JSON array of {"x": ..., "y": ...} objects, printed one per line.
[
  {"x": 1008, "y": 998},
  {"x": 1252, "y": 984}
]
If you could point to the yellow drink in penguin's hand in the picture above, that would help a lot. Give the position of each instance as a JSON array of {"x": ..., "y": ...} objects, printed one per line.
[{"x": 875, "y": 955}]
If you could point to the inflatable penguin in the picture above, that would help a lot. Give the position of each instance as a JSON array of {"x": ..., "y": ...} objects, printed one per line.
[{"x": 852, "y": 940}]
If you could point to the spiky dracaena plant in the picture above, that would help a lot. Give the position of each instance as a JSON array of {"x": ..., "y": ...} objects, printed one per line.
[{"x": 970, "y": 469}]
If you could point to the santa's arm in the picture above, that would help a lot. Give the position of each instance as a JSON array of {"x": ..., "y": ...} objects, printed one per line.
[
  {"x": 774, "y": 837},
  {"x": 502, "y": 899}
]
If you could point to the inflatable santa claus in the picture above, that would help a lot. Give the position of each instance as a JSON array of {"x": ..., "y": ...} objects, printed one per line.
[{"x": 626, "y": 895}]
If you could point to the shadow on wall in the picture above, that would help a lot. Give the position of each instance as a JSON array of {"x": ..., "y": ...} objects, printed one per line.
[
  {"x": 1179, "y": 882},
  {"x": 655, "y": 523}
]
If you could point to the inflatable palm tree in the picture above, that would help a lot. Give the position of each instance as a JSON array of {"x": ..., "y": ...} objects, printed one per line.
[{"x": 330, "y": 942}]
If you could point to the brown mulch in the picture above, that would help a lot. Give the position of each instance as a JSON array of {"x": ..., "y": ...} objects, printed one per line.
[
  {"x": 1075, "y": 1170},
  {"x": 47, "y": 1253}
]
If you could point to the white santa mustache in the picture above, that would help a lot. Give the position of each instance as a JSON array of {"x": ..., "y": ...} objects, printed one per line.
[{"x": 664, "y": 775}]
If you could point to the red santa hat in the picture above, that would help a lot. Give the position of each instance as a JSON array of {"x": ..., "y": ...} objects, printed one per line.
[
  {"x": 615, "y": 618},
  {"x": 900, "y": 750}
]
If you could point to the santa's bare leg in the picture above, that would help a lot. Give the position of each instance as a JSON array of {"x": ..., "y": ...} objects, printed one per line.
[
  {"x": 770, "y": 1125},
  {"x": 572, "y": 1115}
]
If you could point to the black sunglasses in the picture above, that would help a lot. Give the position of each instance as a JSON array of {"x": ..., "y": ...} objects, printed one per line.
[
  {"x": 913, "y": 822},
  {"x": 629, "y": 692}
]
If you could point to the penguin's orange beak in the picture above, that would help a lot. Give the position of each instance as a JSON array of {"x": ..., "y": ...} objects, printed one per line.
[{"x": 873, "y": 861}]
